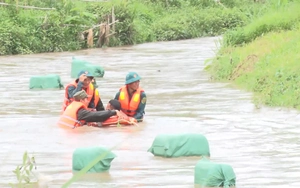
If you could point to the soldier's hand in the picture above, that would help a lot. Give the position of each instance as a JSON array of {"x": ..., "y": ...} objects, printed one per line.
[
  {"x": 91, "y": 124},
  {"x": 133, "y": 120},
  {"x": 94, "y": 124},
  {"x": 82, "y": 77},
  {"x": 118, "y": 113},
  {"x": 121, "y": 114}
]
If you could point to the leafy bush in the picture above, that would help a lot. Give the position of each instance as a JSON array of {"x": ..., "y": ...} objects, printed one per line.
[{"x": 32, "y": 31}]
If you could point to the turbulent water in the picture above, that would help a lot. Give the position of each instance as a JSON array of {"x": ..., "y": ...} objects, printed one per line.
[{"x": 262, "y": 145}]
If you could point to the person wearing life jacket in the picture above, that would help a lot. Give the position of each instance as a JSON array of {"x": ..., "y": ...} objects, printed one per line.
[
  {"x": 98, "y": 102},
  {"x": 132, "y": 97},
  {"x": 77, "y": 113},
  {"x": 83, "y": 82},
  {"x": 114, "y": 104}
]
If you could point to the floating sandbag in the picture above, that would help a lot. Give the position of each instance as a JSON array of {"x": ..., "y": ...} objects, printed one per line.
[
  {"x": 83, "y": 157},
  {"x": 96, "y": 70},
  {"x": 79, "y": 65},
  {"x": 166, "y": 145},
  {"x": 210, "y": 174},
  {"x": 45, "y": 82}
]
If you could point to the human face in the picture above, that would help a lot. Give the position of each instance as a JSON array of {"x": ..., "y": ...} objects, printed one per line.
[
  {"x": 87, "y": 82},
  {"x": 85, "y": 101},
  {"x": 109, "y": 107},
  {"x": 134, "y": 85}
]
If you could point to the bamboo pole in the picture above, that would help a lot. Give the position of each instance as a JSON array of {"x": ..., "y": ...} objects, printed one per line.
[
  {"x": 107, "y": 31},
  {"x": 111, "y": 34},
  {"x": 101, "y": 35},
  {"x": 113, "y": 18},
  {"x": 219, "y": 2},
  {"x": 26, "y": 7},
  {"x": 93, "y": 27},
  {"x": 90, "y": 38}
]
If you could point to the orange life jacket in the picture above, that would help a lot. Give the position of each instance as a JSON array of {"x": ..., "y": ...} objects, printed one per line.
[
  {"x": 96, "y": 97},
  {"x": 90, "y": 92},
  {"x": 128, "y": 106},
  {"x": 69, "y": 117},
  {"x": 113, "y": 120}
]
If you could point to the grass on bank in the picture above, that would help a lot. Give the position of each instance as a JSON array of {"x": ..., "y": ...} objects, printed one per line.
[
  {"x": 285, "y": 17},
  {"x": 269, "y": 65}
]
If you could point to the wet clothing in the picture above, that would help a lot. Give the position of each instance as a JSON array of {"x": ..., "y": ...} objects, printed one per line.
[
  {"x": 77, "y": 114},
  {"x": 69, "y": 117},
  {"x": 99, "y": 116},
  {"x": 129, "y": 104},
  {"x": 72, "y": 90},
  {"x": 140, "y": 111}
]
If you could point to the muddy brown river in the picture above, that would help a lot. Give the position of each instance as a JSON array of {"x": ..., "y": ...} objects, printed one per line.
[{"x": 262, "y": 145}]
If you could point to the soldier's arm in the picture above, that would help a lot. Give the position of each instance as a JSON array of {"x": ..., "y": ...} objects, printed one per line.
[
  {"x": 90, "y": 116},
  {"x": 141, "y": 109},
  {"x": 117, "y": 95},
  {"x": 72, "y": 90}
]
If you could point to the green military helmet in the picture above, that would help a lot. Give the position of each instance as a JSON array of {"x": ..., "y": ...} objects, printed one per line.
[
  {"x": 88, "y": 74},
  {"x": 132, "y": 77}
]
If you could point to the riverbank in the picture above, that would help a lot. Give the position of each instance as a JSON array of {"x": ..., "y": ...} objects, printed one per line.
[
  {"x": 61, "y": 27},
  {"x": 263, "y": 57}
]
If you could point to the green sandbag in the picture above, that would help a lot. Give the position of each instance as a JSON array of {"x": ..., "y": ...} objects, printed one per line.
[
  {"x": 79, "y": 65},
  {"x": 210, "y": 174},
  {"x": 84, "y": 156},
  {"x": 50, "y": 81},
  {"x": 167, "y": 145},
  {"x": 96, "y": 70}
]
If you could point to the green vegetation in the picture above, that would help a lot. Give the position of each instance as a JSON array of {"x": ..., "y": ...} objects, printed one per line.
[
  {"x": 24, "y": 172},
  {"x": 26, "y": 30},
  {"x": 263, "y": 56}
]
